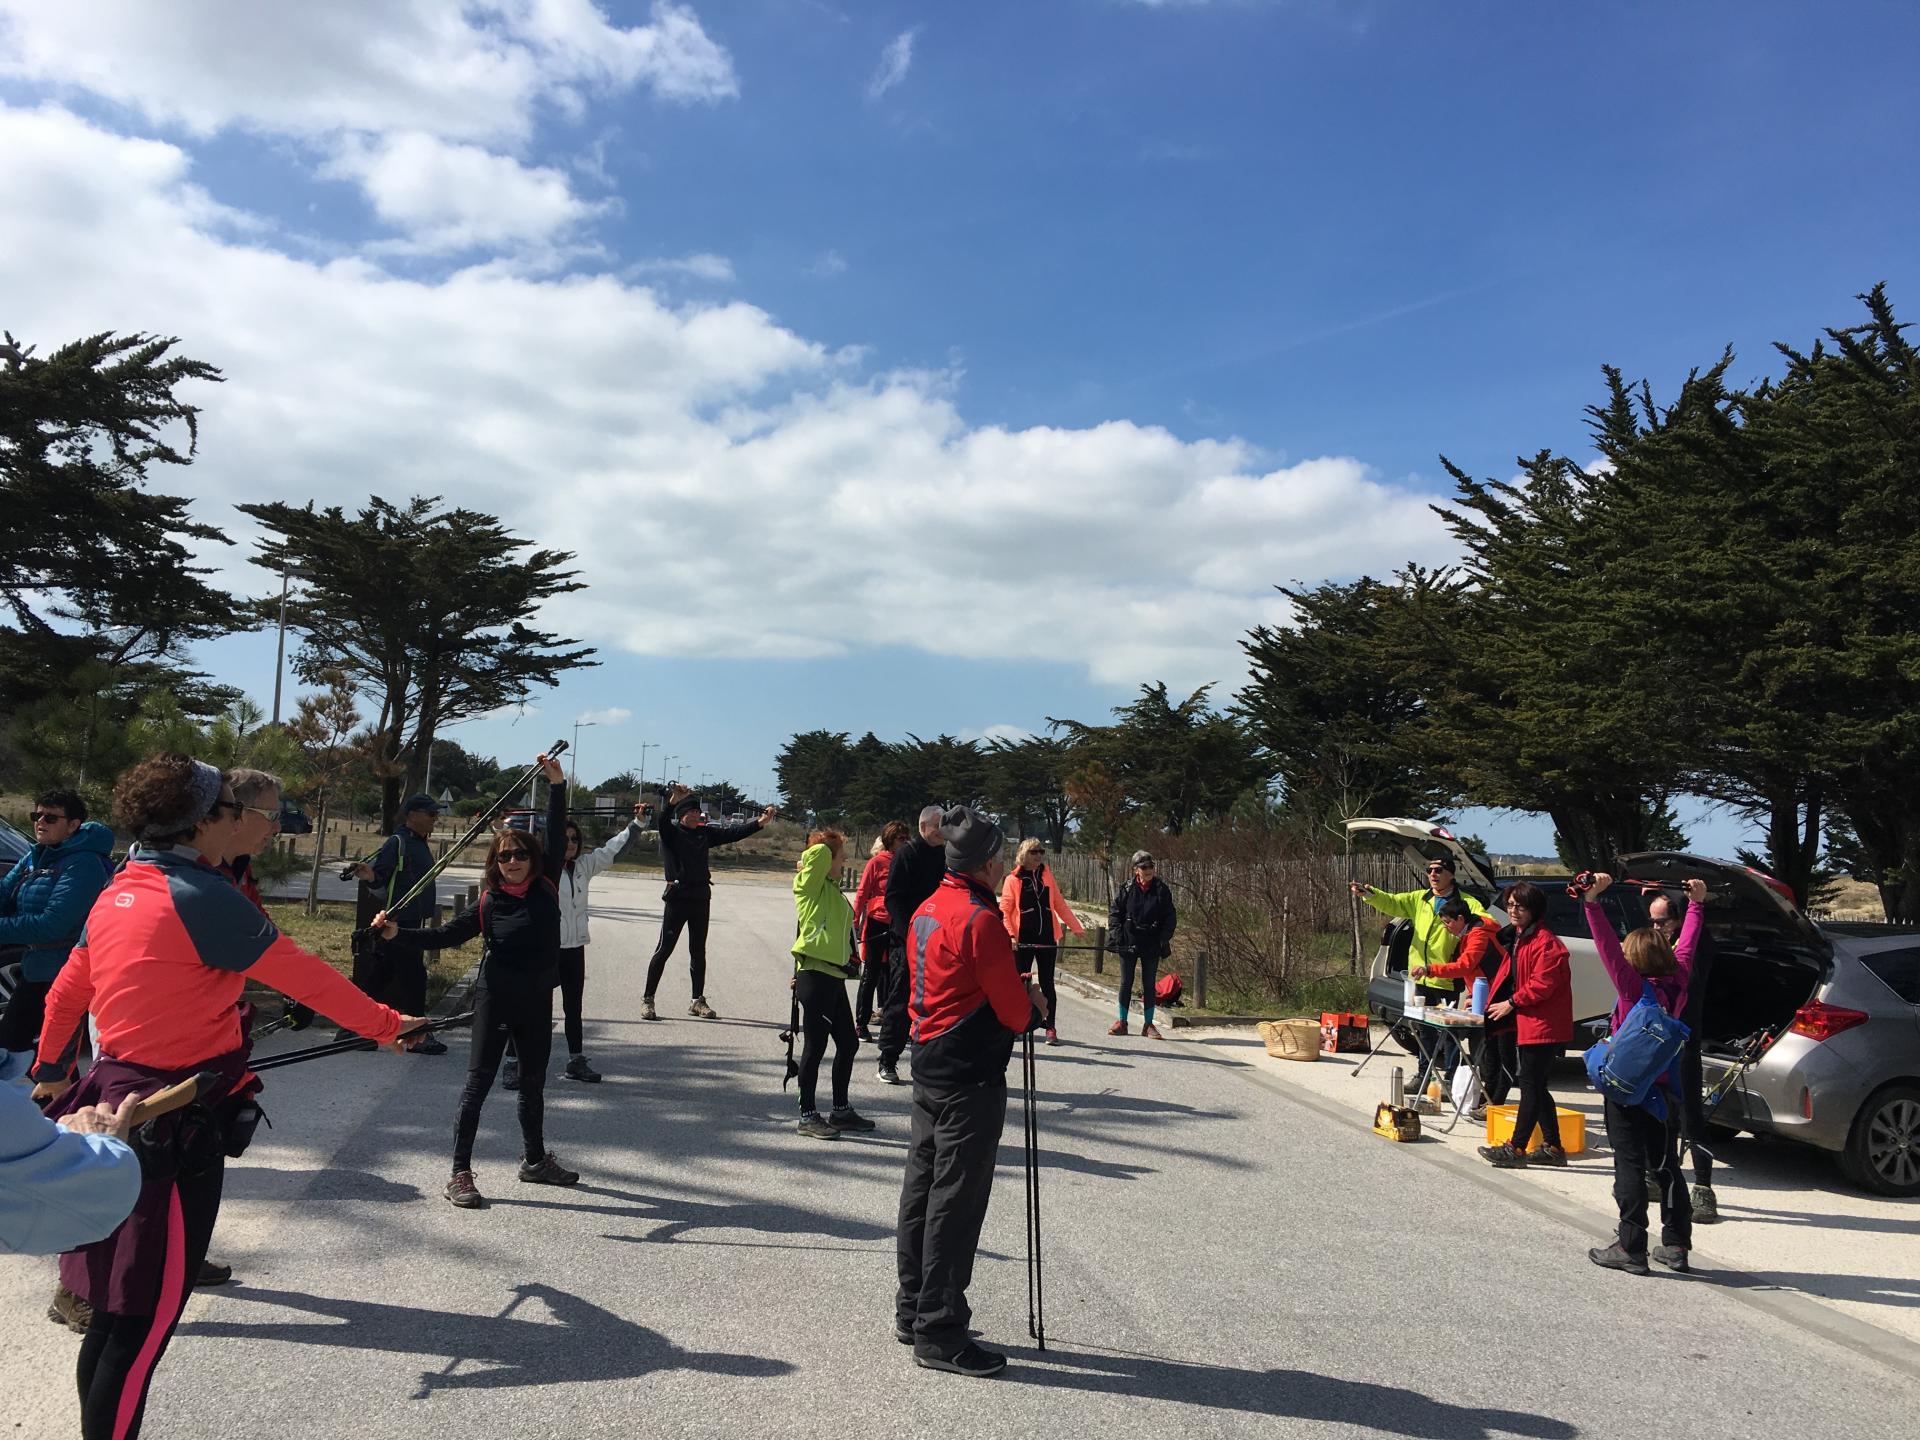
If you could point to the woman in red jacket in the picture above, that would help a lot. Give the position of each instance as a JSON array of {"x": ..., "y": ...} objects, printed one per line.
[
  {"x": 873, "y": 924},
  {"x": 1542, "y": 1010},
  {"x": 166, "y": 952}
]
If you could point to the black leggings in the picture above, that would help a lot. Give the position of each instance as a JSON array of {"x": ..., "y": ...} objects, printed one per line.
[
  {"x": 1147, "y": 965},
  {"x": 824, "y": 1013},
  {"x": 573, "y": 989},
  {"x": 1536, "y": 1100},
  {"x": 683, "y": 907},
  {"x": 523, "y": 1014},
  {"x": 876, "y": 939},
  {"x": 1042, "y": 959},
  {"x": 120, "y": 1352},
  {"x": 1644, "y": 1146}
]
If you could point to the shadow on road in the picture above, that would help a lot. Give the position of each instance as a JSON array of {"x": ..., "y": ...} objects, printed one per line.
[
  {"x": 1376, "y": 1409},
  {"x": 249, "y": 1182},
  {"x": 582, "y": 1341}
]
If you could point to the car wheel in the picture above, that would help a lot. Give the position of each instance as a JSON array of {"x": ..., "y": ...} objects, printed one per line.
[{"x": 1883, "y": 1150}]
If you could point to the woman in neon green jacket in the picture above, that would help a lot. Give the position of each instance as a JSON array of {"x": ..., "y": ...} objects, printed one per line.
[{"x": 823, "y": 963}]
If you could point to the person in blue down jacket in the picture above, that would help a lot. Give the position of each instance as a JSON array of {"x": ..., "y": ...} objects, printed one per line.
[
  {"x": 65, "y": 1184},
  {"x": 44, "y": 902}
]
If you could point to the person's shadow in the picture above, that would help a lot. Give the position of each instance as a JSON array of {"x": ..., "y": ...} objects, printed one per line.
[
  {"x": 1378, "y": 1409},
  {"x": 580, "y": 1342}
]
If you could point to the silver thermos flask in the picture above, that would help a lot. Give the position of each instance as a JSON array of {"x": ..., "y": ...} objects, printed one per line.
[{"x": 1397, "y": 1088}]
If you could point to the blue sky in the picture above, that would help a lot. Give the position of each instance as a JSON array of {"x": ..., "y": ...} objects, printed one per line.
[{"x": 934, "y": 368}]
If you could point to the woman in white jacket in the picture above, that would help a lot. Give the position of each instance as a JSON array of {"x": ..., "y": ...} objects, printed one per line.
[{"x": 574, "y": 879}]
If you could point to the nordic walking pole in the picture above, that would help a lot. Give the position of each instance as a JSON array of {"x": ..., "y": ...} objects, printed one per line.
[{"x": 1036, "y": 1274}]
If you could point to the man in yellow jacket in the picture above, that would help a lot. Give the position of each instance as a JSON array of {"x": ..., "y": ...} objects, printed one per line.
[{"x": 1433, "y": 944}]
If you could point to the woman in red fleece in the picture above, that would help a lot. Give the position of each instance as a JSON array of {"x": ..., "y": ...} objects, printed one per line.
[
  {"x": 166, "y": 951},
  {"x": 874, "y": 925},
  {"x": 1541, "y": 1007}
]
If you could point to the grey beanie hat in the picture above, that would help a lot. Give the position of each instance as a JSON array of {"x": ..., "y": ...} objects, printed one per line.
[
  {"x": 204, "y": 790},
  {"x": 1140, "y": 857},
  {"x": 972, "y": 839}
]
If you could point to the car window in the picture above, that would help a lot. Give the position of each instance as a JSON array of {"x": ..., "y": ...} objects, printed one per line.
[
  {"x": 1567, "y": 917},
  {"x": 1900, "y": 969}
]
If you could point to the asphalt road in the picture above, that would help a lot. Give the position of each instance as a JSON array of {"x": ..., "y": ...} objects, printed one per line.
[{"x": 1221, "y": 1259}]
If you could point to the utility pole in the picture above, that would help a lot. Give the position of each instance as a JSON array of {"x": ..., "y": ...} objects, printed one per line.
[
  {"x": 645, "y": 745},
  {"x": 573, "y": 774},
  {"x": 280, "y": 650}
]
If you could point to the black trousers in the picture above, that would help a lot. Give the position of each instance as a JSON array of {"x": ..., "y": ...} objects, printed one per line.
[
  {"x": 524, "y": 1015},
  {"x": 119, "y": 1353},
  {"x": 824, "y": 1015},
  {"x": 893, "y": 1010},
  {"x": 1437, "y": 1049},
  {"x": 1497, "y": 1054},
  {"x": 573, "y": 989},
  {"x": 1643, "y": 1145},
  {"x": 685, "y": 907},
  {"x": 876, "y": 937},
  {"x": 1147, "y": 965},
  {"x": 1693, "y": 1112},
  {"x": 26, "y": 1010},
  {"x": 395, "y": 974},
  {"x": 1536, "y": 1100},
  {"x": 1042, "y": 959},
  {"x": 943, "y": 1203}
]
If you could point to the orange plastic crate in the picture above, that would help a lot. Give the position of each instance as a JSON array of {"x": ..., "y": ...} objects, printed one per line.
[{"x": 1573, "y": 1128}]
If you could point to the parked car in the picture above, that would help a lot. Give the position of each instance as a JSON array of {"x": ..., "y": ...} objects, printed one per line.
[
  {"x": 1815, "y": 1030},
  {"x": 13, "y": 849},
  {"x": 294, "y": 821}
]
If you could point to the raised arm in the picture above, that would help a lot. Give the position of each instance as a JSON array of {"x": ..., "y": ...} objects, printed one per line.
[
  {"x": 1400, "y": 906},
  {"x": 588, "y": 866},
  {"x": 815, "y": 875},
  {"x": 1626, "y": 980},
  {"x": 1687, "y": 947},
  {"x": 554, "y": 860}
]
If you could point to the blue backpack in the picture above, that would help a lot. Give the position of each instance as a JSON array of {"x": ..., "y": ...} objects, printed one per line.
[{"x": 1629, "y": 1066}]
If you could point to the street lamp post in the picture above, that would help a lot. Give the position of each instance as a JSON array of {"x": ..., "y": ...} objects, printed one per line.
[
  {"x": 645, "y": 745},
  {"x": 280, "y": 649},
  {"x": 573, "y": 775},
  {"x": 668, "y": 760}
]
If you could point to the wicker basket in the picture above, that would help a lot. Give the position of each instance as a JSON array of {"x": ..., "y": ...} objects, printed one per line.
[{"x": 1291, "y": 1039}]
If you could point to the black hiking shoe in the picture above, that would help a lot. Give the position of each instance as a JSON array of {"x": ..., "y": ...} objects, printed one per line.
[
  {"x": 428, "y": 1045},
  {"x": 463, "y": 1192},
  {"x": 548, "y": 1172},
  {"x": 886, "y": 1074},
  {"x": 1706, "y": 1209},
  {"x": 1504, "y": 1157},
  {"x": 848, "y": 1118},
  {"x": 212, "y": 1273},
  {"x": 1614, "y": 1258},
  {"x": 579, "y": 1069},
  {"x": 971, "y": 1360},
  {"x": 1674, "y": 1257},
  {"x": 902, "y": 1333},
  {"x": 1549, "y": 1155}
]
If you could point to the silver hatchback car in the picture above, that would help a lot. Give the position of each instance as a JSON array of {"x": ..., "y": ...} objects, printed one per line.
[{"x": 1807, "y": 1032}]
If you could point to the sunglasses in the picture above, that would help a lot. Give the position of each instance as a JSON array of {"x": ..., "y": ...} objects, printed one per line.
[
  {"x": 514, "y": 857},
  {"x": 1438, "y": 870},
  {"x": 229, "y": 807},
  {"x": 262, "y": 811},
  {"x": 46, "y": 817}
]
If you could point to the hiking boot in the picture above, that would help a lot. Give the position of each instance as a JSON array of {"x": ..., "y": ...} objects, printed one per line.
[
  {"x": 1706, "y": 1210},
  {"x": 429, "y": 1045},
  {"x": 902, "y": 1333},
  {"x": 1615, "y": 1258},
  {"x": 815, "y": 1128},
  {"x": 212, "y": 1273},
  {"x": 510, "y": 1075},
  {"x": 866, "y": 1035},
  {"x": 548, "y": 1172},
  {"x": 579, "y": 1069},
  {"x": 701, "y": 1009},
  {"x": 1477, "y": 1115},
  {"x": 647, "y": 1012},
  {"x": 1149, "y": 1032},
  {"x": 887, "y": 1074},
  {"x": 972, "y": 1360},
  {"x": 1504, "y": 1157},
  {"x": 845, "y": 1117},
  {"x": 1053, "y": 1036},
  {"x": 463, "y": 1192},
  {"x": 70, "y": 1310},
  {"x": 1674, "y": 1257},
  {"x": 1549, "y": 1155},
  {"x": 1119, "y": 1027}
]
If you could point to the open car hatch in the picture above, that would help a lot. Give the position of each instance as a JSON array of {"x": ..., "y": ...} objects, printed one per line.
[{"x": 1422, "y": 840}]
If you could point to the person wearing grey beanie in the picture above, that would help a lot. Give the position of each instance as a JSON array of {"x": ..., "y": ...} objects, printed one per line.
[
  {"x": 1140, "y": 923},
  {"x": 967, "y": 1004}
]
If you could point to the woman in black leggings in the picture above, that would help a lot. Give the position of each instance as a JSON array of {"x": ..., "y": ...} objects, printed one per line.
[
  {"x": 519, "y": 918},
  {"x": 822, "y": 952}
]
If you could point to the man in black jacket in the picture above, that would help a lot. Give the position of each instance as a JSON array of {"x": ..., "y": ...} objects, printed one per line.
[
  {"x": 918, "y": 867},
  {"x": 396, "y": 974},
  {"x": 685, "y": 839}
]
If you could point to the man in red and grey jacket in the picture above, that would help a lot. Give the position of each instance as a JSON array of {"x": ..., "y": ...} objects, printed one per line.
[{"x": 967, "y": 1004}]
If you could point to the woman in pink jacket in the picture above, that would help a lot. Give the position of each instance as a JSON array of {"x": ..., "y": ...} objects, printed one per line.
[{"x": 1034, "y": 911}]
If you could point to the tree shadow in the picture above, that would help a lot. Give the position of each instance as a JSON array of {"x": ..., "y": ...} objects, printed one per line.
[
  {"x": 674, "y": 1216},
  {"x": 1110, "y": 1099},
  {"x": 1300, "y": 1394},
  {"x": 247, "y": 1182},
  {"x": 582, "y": 1341},
  {"x": 1901, "y": 1292}
]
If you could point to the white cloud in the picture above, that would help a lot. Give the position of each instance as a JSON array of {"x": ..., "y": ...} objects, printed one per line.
[
  {"x": 453, "y": 68},
  {"x": 716, "y": 268},
  {"x": 594, "y": 417},
  {"x": 614, "y": 715},
  {"x": 830, "y": 263},
  {"x": 454, "y": 197},
  {"x": 895, "y": 61}
]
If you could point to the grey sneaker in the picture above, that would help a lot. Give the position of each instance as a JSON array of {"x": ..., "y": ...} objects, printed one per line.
[
  {"x": 647, "y": 1012},
  {"x": 579, "y": 1069},
  {"x": 701, "y": 1009},
  {"x": 510, "y": 1075},
  {"x": 463, "y": 1192},
  {"x": 815, "y": 1128},
  {"x": 1615, "y": 1258},
  {"x": 848, "y": 1118},
  {"x": 887, "y": 1075},
  {"x": 1706, "y": 1209},
  {"x": 548, "y": 1172},
  {"x": 1674, "y": 1257}
]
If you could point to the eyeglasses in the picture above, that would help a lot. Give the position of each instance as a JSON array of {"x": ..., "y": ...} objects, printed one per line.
[
  {"x": 272, "y": 817},
  {"x": 230, "y": 807},
  {"x": 46, "y": 817},
  {"x": 514, "y": 857},
  {"x": 1664, "y": 922}
]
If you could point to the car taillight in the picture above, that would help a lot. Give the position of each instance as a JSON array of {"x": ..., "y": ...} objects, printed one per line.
[{"x": 1818, "y": 1020}]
